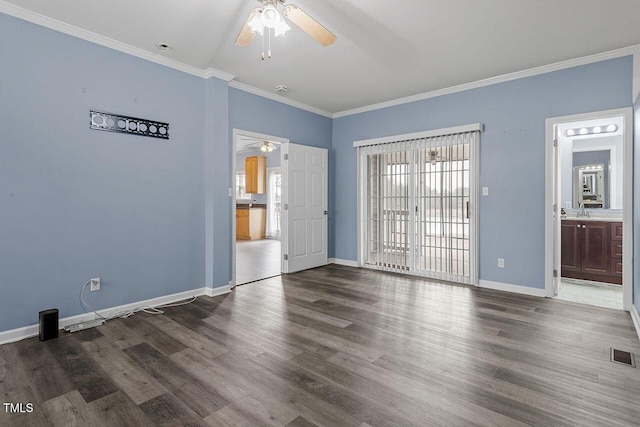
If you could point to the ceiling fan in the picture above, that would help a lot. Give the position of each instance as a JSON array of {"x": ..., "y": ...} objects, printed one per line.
[
  {"x": 268, "y": 18},
  {"x": 264, "y": 145}
]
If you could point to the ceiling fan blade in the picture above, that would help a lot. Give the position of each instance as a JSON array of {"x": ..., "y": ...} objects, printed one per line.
[
  {"x": 309, "y": 25},
  {"x": 246, "y": 36}
]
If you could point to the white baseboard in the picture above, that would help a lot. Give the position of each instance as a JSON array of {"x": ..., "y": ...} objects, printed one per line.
[
  {"x": 221, "y": 290},
  {"x": 33, "y": 330},
  {"x": 346, "y": 262},
  {"x": 525, "y": 290},
  {"x": 636, "y": 319}
]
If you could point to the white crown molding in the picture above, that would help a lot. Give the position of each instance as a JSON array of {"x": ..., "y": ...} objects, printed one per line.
[
  {"x": 54, "y": 24},
  {"x": 618, "y": 53},
  {"x": 212, "y": 72},
  {"x": 265, "y": 94}
]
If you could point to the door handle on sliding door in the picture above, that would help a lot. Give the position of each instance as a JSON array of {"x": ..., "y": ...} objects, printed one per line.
[{"x": 468, "y": 210}]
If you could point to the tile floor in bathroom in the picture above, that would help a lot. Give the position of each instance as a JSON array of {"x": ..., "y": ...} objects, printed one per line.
[{"x": 593, "y": 293}]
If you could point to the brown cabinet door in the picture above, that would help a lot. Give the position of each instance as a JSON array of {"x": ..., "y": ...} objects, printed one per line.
[
  {"x": 596, "y": 257},
  {"x": 255, "y": 169},
  {"x": 616, "y": 231},
  {"x": 251, "y": 174},
  {"x": 571, "y": 247},
  {"x": 242, "y": 224}
]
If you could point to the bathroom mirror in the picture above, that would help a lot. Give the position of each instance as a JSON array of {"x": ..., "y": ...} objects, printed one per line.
[
  {"x": 577, "y": 152},
  {"x": 589, "y": 186}
]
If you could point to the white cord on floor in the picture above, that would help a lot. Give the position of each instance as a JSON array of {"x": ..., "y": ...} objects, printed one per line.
[{"x": 128, "y": 313}]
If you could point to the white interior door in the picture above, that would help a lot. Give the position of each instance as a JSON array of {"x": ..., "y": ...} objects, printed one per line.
[
  {"x": 305, "y": 182},
  {"x": 557, "y": 256}
]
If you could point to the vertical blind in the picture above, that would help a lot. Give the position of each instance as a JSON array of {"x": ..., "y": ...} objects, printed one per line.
[{"x": 417, "y": 203}]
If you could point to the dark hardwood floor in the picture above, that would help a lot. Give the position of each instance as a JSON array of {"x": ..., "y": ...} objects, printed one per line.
[{"x": 335, "y": 346}]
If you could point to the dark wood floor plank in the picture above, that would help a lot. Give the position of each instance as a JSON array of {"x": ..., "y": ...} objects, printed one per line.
[
  {"x": 335, "y": 346},
  {"x": 349, "y": 401},
  {"x": 70, "y": 410},
  {"x": 301, "y": 422},
  {"x": 116, "y": 410},
  {"x": 22, "y": 415},
  {"x": 162, "y": 341},
  {"x": 43, "y": 371},
  {"x": 12, "y": 373},
  {"x": 236, "y": 384},
  {"x": 197, "y": 395},
  {"x": 263, "y": 384},
  {"x": 91, "y": 381},
  {"x": 136, "y": 383}
]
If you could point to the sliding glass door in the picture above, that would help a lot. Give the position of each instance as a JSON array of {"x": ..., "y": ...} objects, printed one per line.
[{"x": 417, "y": 206}]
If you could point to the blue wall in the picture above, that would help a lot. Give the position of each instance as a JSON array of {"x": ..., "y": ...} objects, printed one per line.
[
  {"x": 77, "y": 203},
  {"x": 258, "y": 114},
  {"x": 511, "y": 156},
  {"x": 153, "y": 217}
]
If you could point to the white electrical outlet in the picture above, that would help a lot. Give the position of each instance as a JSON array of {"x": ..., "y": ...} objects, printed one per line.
[
  {"x": 568, "y": 205},
  {"x": 485, "y": 191},
  {"x": 500, "y": 262},
  {"x": 95, "y": 284}
]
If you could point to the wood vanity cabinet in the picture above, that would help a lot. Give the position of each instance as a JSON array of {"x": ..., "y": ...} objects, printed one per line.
[
  {"x": 255, "y": 170},
  {"x": 250, "y": 223},
  {"x": 592, "y": 250}
]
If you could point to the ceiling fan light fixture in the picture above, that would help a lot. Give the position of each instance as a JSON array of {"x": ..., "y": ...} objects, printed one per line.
[
  {"x": 267, "y": 147},
  {"x": 255, "y": 25},
  {"x": 280, "y": 28},
  {"x": 270, "y": 16}
]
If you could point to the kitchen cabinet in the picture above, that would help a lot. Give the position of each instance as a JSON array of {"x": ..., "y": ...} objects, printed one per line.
[
  {"x": 251, "y": 223},
  {"x": 255, "y": 170},
  {"x": 590, "y": 251}
]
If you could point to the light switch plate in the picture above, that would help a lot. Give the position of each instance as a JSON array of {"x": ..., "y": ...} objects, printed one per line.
[{"x": 485, "y": 191}]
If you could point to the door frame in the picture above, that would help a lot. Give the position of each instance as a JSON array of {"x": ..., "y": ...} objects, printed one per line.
[
  {"x": 552, "y": 223},
  {"x": 283, "y": 143},
  {"x": 474, "y": 190}
]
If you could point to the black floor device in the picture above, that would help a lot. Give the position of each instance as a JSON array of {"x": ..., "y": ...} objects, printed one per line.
[{"x": 48, "y": 324}]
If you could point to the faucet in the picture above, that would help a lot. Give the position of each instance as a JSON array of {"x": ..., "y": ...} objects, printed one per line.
[{"x": 583, "y": 212}]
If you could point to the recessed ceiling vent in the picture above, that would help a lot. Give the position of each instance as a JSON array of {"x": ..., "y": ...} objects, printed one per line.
[{"x": 282, "y": 88}]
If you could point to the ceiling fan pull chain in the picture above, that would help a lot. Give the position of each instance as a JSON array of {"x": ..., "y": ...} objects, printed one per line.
[
  {"x": 263, "y": 46},
  {"x": 269, "y": 31}
]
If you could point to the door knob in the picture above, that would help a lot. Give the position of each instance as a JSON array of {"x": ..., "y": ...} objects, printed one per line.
[
  {"x": 326, "y": 212},
  {"x": 584, "y": 226}
]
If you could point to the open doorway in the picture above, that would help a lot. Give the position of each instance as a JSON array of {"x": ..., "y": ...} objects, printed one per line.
[
  {"x": 257, "y": 194},
  {"x": 588, "y": 241}
]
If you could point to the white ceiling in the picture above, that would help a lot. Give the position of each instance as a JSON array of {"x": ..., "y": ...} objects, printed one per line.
[{"x": 385, "y": 49}]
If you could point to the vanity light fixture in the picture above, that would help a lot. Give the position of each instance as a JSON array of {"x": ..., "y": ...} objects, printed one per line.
[{"x": 594, "y": 130}]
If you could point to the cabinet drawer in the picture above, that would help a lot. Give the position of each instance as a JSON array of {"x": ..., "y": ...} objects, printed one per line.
[
  {"x": 616, "y": 231},
  {"x": 616, "y": 267},
  {"x": 616, "y": 249}
]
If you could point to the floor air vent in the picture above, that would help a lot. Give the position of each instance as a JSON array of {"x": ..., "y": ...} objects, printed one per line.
[{"x": 624, "y": 357}]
